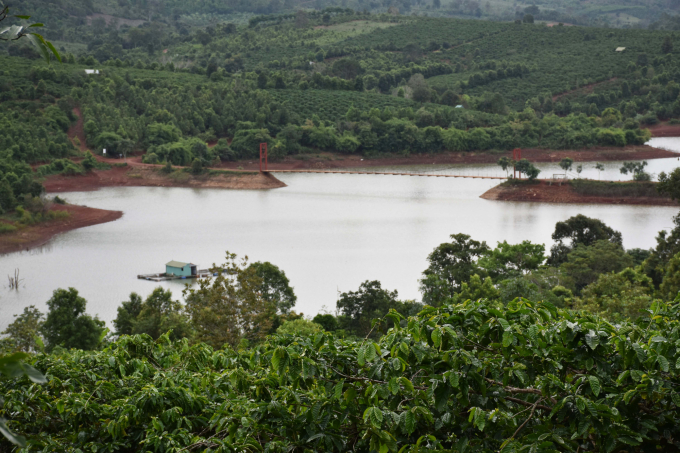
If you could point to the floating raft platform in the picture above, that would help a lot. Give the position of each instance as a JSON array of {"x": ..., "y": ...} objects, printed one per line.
[{"x": 203, "y": 273}]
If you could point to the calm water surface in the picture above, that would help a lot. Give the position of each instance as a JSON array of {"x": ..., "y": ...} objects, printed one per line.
[{"x": 328, "y": 232}]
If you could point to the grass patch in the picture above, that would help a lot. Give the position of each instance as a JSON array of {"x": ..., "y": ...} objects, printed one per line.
[
  {"x": 230, "y": 173},
  {"x": 615, "y": 189},
  {"x": 513, "y": 182},
  {"x": 180, "y": 176},
  {"x": 7, "y": 228},
  {"x": 350, "y": 29}
]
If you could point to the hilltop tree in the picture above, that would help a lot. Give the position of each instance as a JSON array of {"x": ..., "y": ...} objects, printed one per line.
[
  {"x": 157, "y": 315},
  {"x": 505, "y": 163},
  {"x": 67, "y": 325},
  {"x": 229, "y": 308},
  {"x": 450, "y": 265},
  {"x": 275, "y": 288},
  {"x": 581, "y": 230},
  {"x": 637, "y": 169},
  {"x": 24, "y": 330},
  {"x": 566, "y": 163},
  {"x": 420, "y": 91},
  {"x": 512, "y": 260},
  {"x": 360, "y": 307},
  {"x": 127, "y": 314},
  {"x": 669, "y": 184},
  {"x": 529, "y": 169}
]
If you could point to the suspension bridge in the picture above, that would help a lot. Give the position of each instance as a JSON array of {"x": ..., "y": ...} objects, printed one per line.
[
  {"x": 384, "y": 173},
  {"x": 264, "y": 168}
]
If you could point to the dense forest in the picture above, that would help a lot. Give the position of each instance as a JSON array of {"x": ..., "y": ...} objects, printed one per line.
[
  {"x": 512, "y": 349},
  {"x": 332, "y": 80},
  {"x": 72, "y": 14}
]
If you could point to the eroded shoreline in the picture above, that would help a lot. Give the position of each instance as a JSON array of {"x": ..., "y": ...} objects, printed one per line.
[
  {"x": 32, "y": 236},
  {"x": 544, "y": 192}
]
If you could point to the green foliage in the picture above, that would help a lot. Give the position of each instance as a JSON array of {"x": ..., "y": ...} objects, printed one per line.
[
  {"x": 566, "y": 163},
  {"x": 275, "y": 289},
  {"x": 7, "y": 228},
  {"x": 299, "y": 328},
  {"x": 617, "y": 189},
  {"x": 512, "y": 260},
  {"x": 229, "y": 308},
  {"x": 24, "y": 330},
  {"x": 637, "y": 169},
  {"x": 67, "y": 325},
  {"x": 585, "y": 262},
  {"x": 12, "y": 366},
  {"x": 667, "y": 246},
  {"x": 197, "y": 166},
  {"x": 360, "y": 307},
  {"x": 567, "y": 379},
  {"x": 527, "y": 168},
  {"x": 669, "y": 184},
  {"x": 16, "y": 32},
  {"x": 618, "y": 296},
  {"x": 450, "y": 265},
  {"x": 328, "y": 322},
  {"x": 158, "y": 315},
  {"x": 127, "y": 315},
  {"x": 582, "y": 230},
  {"x": 670, "y": 286}
]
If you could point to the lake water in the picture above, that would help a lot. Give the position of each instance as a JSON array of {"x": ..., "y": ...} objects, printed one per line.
[{"x": 328, "y": 233}]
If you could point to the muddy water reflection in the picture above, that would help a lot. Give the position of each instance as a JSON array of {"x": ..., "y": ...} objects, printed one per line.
[{"x": 328, "y": 232}]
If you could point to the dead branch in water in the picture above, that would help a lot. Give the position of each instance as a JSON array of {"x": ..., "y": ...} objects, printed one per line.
[{"x": 15, "y": 281}]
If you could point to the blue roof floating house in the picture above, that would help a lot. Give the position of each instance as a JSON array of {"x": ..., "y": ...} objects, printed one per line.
[{"x": 180, "y": 269}]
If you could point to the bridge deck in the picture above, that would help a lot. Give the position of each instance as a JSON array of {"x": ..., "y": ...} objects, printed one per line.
[{"x": 351, "y": 172}]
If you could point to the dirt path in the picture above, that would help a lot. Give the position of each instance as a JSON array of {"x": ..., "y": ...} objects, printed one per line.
[
  {"x": 37, "y": 235},
  {"x": 585, "y": 88},
  {"x": 77, "y": 130},
  {"x": 544, "y": 193}
]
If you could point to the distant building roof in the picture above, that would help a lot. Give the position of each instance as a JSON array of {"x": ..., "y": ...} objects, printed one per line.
[
  {"x": 178, "y": 264},
  {"x": 620, "y": 49},
  {"x": 92, "y": 71},
  {"x": 459, "y": 106}
]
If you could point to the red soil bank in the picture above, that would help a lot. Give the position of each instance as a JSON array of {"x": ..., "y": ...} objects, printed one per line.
[
  {"x": 41, "y": 233},
  {"x": 545, "y": 193}
]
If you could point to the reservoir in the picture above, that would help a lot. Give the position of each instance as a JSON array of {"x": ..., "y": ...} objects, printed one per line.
[{"x": 328, "y": 232}]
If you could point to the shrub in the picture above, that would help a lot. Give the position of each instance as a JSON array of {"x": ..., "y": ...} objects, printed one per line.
[
  {"x": 197, "y": 166},
  {"x": 299, "y": 327},
  {"x": 7, "y": 228},
  {"x": 150, "y": 158}
]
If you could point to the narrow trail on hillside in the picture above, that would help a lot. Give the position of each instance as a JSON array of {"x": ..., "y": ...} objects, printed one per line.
[
  {"x": 78, "y": 130},
  {"x": 585, "y": 88}
]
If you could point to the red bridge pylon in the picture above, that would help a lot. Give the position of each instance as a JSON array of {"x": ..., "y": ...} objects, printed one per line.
[{"x": 263, "y": 154}]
